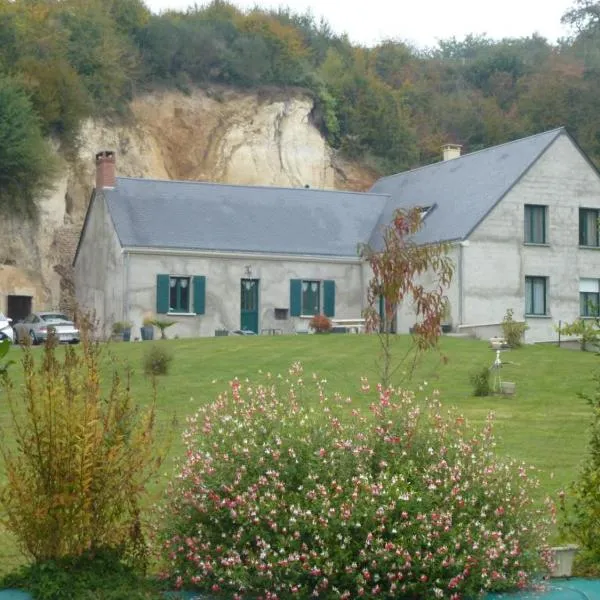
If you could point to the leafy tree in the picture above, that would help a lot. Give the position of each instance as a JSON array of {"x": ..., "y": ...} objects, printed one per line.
[
  {"x": 398, "y": 269},
  {"x": 25, "y": 157},
  {"x": 584, "y": 15}
]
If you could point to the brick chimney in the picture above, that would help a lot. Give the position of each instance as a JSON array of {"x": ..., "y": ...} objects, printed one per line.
[
  {"x": 450, "y": 151},
  {"x": 105, "y": 170}
]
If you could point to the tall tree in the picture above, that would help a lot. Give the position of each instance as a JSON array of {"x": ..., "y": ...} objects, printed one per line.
[{"x": 25, "y": 158}]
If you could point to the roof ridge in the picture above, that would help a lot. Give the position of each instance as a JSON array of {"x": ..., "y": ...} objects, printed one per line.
[
  {"x": 252, "y": 187},
  {"x": 555, "y": 131}
]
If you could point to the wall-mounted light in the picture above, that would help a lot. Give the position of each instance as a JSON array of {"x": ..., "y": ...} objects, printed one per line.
[{"x": 248, "y": 271}]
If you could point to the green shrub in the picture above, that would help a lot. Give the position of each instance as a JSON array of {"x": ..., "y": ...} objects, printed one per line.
[
  {"x": 162, "y": 324},
  {"x": 286, "y": 491},
  {"x": 120, "y": 326},
  {"x": 91, "y": 576},
  {"x": 480, "y": 380},
  {"x": 157, "y": 360},
  {"x": 580, "y": 507},
  {"x": 513, "y": 331},
  {"x": 4, "y": 348},
  {"x": 78, "y": 456},
  {"x": 587, "y": 332}
]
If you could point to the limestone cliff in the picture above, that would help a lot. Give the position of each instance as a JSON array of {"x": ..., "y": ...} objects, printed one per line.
[{"x": 224, "y": 135}]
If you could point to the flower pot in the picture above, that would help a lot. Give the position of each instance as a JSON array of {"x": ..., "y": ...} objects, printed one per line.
[
  {"x": 447, "y": 328},
  {"x": 563, "y": 559},
  {"x": 147, "y": 332},
  {"x": 508, "y": 388}
]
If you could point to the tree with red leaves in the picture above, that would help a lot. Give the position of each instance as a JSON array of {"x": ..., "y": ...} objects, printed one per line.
[{"x": 398, "y": 269}]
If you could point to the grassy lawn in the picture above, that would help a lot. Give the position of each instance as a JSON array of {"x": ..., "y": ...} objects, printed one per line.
[{"x": 544, "y": 424}]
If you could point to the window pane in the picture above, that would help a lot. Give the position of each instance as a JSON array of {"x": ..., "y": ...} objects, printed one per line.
[
  {"x": 535, "y": 295},
  {"x": 311, "y": 295},
  {"x": 173, "y": 294},
  {"x": 589, "y": 304},
  {"x": 535, "y": 224},
  {"x": 539, "y": 296},
  {"x": 588, "y": 227},
  {"x": 184, "y": 295}
]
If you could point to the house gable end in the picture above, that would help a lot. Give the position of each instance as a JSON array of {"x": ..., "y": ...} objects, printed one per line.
[
  {"x": 516, "y": 182},
  {"x": 465, "y": 189}
]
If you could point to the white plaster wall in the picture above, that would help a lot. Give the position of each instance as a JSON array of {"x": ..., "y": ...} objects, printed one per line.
[
  {"x": 407, "y": 316},
  {"x": 223, "y": 276},
  {"x": 497, "y": 260},
  {"x": 99, "y": 271}
]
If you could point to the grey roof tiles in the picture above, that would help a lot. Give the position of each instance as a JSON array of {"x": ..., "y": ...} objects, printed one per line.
[
  {"x": 210, "y": 216},
  {"x": 297, "y": 221},
  {"x": 463, "y": 190}
]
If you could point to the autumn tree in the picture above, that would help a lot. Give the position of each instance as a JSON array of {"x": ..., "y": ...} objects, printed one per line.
[{"x": 399, "y": 267}]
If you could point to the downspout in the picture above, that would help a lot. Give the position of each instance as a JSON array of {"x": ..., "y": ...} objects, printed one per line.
[
  {"x": 462, "y": 244},
  {"x": 126, "y": 286}
]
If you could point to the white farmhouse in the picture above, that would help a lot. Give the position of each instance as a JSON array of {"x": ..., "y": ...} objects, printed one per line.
[{"x": 521, "y": 219}]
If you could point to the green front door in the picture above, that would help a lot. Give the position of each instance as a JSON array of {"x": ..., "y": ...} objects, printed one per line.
[{"x": 249, "y": 305}]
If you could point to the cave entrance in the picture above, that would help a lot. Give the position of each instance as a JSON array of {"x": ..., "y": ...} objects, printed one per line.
[{"x": 18, "y": 307}]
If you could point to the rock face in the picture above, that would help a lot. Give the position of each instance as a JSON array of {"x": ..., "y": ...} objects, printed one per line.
[{"x": 223, "y": 135}]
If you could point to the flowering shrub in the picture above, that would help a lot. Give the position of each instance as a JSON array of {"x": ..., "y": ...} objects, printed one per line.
[
  {"x": 320, "y": 323},
  {"x": 285, "y": 495}
]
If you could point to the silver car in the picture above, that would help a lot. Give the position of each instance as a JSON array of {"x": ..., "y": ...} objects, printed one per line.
[{"x": 37, "y": 326}]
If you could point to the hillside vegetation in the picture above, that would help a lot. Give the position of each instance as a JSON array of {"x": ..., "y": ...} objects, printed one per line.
[{"x": 391, "y": 105}]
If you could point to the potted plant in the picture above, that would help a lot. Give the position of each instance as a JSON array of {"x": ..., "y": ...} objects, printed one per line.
[
  {"x": 320, "y": 324},
  {"x": 147, "y": 329},
  {"x": 122, "y": 330},
  {"x": 162, "y": 325}
]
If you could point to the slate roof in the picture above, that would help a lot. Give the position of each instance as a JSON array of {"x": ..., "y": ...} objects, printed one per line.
[
  {"x": 210, "y": 216},
  {"x": 462, "y": 191}
]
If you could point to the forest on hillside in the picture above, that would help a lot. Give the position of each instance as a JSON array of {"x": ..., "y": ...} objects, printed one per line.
[{"x": 391, "y": 105}]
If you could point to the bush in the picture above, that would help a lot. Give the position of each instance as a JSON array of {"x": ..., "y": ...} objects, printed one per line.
[
  {"x": 94, "y": 575},
  {"x": 78, "y": 457},
  {"x": 120, "y": 326},
  {"x": 320, "y": 323},
  {"x": 283, "y": 494},
  {"x": 480, "y": 380},
  {"x": 162, "y": 324},
  {"x": 512, "y": 330},
  {"x": 157, "y": 360},
  {"x": 581, "y": 506},
  {"x": 587, "y": 332}
]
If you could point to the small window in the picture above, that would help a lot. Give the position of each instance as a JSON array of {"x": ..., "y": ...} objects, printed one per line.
[
  {"x": 588, "y": 227},
  {"x": 179, "y": 294},
  {"x": 535, "y": 224},
  {"x": 311, "y": 297},
  {"x": 281, "y": 314},
  {"x": 536, "y": 292},
  {"x": 589, "y": 297}
]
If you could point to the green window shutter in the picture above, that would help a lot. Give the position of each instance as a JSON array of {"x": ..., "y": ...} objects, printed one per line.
[
  {"x": 162, "y": 294},
  {"x": 329, "y": 298},
  {"x": 295, "y": 297},
  {"x": 199, "y": 294}
]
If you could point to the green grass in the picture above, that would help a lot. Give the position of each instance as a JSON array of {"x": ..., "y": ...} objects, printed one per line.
[{"x": 544, "y": 424}]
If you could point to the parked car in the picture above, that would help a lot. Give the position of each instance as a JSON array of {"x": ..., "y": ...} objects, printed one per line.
[
  {"x": 37, "y": 326},
  {"x": 6, "y": 330}
]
